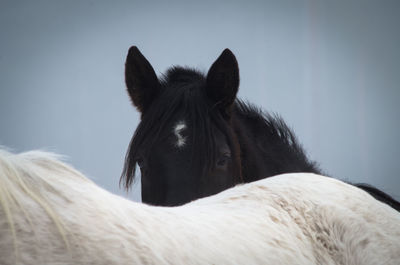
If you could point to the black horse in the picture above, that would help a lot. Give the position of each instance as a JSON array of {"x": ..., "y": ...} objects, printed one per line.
[{"x": 196, "y": 139}]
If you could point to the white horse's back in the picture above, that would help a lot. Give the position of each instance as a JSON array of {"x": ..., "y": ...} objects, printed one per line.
[{"x": 51, "y": 214}]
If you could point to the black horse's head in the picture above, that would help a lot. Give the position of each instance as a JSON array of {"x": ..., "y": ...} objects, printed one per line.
[
  {"x": 195, "y": 140},
  {"x": 184, "y": 145}
]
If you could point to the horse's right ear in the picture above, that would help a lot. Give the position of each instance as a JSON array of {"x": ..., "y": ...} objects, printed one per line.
[
  {"x": 223, "y": 81},
  {"x": 141, "y": 80}
]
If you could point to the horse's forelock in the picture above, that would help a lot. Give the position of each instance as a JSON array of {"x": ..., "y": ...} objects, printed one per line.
[
  {"x": 148, "y": 132},
  {"x": 186, "y": 75}
]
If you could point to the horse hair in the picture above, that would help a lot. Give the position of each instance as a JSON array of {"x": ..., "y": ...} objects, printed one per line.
[
  {"x": 261, "y": 145},
  {"x": 295, "y": 218}
]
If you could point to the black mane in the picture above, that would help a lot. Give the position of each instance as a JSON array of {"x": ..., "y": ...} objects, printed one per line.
[
  {"x": 266, "y": 137},
  {"x": 182, "y": 75}
]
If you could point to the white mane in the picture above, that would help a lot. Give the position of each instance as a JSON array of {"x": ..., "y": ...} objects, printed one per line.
[{"x": 52, "y": 214}]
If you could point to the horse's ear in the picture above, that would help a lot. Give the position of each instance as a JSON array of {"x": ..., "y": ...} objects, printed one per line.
[
  {"x": 141, "y": 80},
  {"x": 223, "y": 81}
]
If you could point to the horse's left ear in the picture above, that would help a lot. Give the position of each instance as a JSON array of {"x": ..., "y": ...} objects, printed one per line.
[
  {"x": 223, "y": 81},
  {"x": 141, "y": 80}
]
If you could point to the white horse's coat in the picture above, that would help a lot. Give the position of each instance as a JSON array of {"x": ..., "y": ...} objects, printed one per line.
[{"x": 51, "y": 214}]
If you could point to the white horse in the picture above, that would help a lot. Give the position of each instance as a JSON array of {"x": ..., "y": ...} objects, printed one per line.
[{"x": 51, "y": 214}]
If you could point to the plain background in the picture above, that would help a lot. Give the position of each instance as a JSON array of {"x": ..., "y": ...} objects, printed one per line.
[{"x": 331, "y": 69}]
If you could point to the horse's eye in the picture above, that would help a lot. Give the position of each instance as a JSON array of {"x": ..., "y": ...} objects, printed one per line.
[
  {"x": 224, "y": 159},
  {"x": 140, "y": 163}
]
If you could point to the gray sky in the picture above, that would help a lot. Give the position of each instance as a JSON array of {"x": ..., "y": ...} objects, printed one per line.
[{"x": 330, "y": 68}]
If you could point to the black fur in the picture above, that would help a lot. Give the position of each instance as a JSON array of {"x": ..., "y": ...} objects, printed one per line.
[
  {"x": 229, "y": 141},
  {"x": 182, "y": 95},
  {"x": 140, "y": 79}
]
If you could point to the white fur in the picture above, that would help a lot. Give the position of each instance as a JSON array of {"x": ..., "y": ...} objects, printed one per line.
[
  {"x": 179, "y": 127},
  {"x": 52, "y": 214}
]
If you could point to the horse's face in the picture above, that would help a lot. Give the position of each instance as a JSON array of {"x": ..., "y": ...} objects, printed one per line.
[
  {"x": 183, "y": 145},
  {"x": 170, "y": 176}
]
